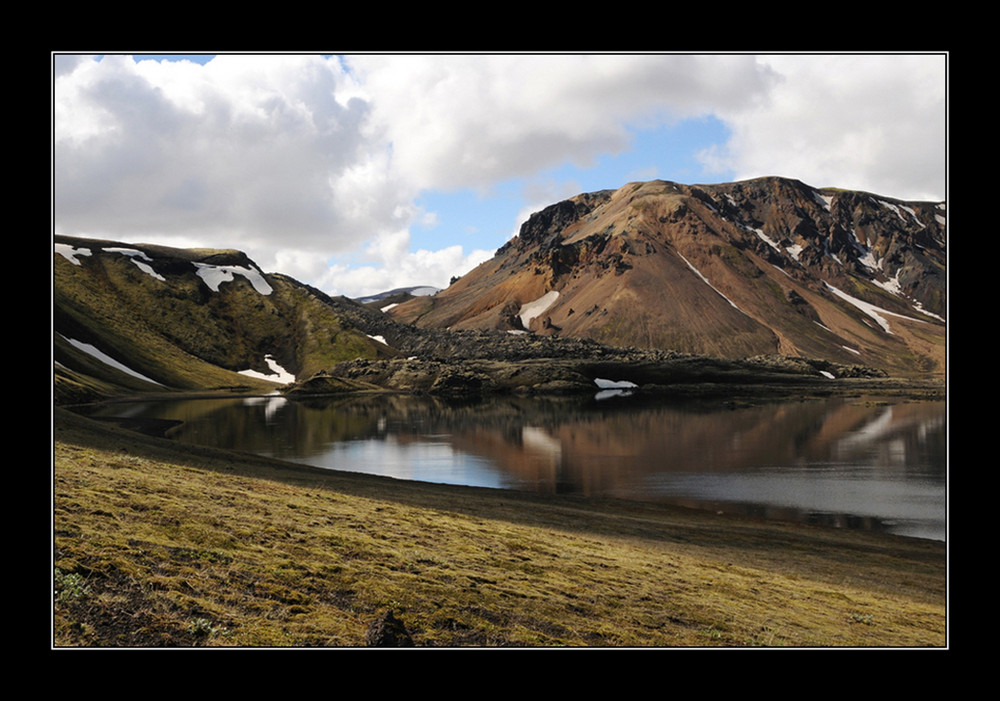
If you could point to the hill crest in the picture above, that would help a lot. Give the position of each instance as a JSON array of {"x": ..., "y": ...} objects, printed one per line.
[{"x": 769, "y": 265}]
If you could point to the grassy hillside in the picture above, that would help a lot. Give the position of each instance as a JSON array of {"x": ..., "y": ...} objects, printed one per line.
[
  {"x": 173, "y": 330},
  {"x": 159, "y": 545}
]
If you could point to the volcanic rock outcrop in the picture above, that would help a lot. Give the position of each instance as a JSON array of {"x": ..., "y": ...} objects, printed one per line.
[{"x": 767, "y": 266}]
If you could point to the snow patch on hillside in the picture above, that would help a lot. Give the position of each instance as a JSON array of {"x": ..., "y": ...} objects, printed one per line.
[
  {"x": 423, "y": 291},
  {"x": 920, "y": 308},
  {"x": 419, "y": 291},
  {"x": 70, "y": 253},
  {"x": 278, "y": 374},
  {"x": 871, "y": 310},
  {"x": 892, "y": 284},
  {"x": 941, "y": 217},
  {"x": 212, "y": 275},
  {"x": 100, "y": 355},
  {"x": 215, "y": 275},
  {"x": 140, "y": 259},
  {"x": 767, "y": 239},
  {"x": 705, "y": 280},
  {"x": 898, "y": 209},
  {"x": 532, "y": 309}
]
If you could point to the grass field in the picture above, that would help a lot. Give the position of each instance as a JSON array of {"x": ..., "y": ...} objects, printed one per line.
[{"x": 157, "y": 544}]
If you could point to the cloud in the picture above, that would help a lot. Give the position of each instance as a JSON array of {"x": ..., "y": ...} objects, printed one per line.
[
  {"x": 401, "y": 269},
  {"x": 872, "y": 122},
  {"x": 314, "y": 165},
  {"x": 242, "y": 149},
  {"x": 470, "y": 121}
]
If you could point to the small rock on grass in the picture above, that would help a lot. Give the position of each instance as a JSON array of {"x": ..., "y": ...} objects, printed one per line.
[{"x": 388, "y": 631}]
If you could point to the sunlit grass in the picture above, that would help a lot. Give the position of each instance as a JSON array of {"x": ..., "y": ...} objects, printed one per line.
[{"x": 208, "y": 548}]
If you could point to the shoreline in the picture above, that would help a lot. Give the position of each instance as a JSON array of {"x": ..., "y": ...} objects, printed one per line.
[
  {"x": 730, "y": 396},
  {"x": 883, "y": 565}
]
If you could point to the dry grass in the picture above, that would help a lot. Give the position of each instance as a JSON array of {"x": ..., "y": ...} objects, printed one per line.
[{"x": 158, "y": 545}]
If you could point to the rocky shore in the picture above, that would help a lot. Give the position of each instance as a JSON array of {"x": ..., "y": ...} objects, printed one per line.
[{"x": 477, "y": 363}]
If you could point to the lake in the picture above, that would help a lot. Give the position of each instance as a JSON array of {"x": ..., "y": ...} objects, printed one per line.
[{"x": 845, "y": 462}]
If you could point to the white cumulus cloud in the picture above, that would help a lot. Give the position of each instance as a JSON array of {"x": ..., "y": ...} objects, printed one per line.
[
  {"x": 314, "y": 165},
  {"x": 865, "y": 122}
]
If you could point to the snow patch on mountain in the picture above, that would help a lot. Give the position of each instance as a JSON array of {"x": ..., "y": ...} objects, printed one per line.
[
  {"x": 705, "y": 280},
  {"x": 70, "y": 253},
  {"x": 532, "y": 309},
  {"x": 215, "y": 275},
  {"x": 141, "y": 260},
  {"x": 767, "y": 239},
  {"x": 823, "y": 200},
  {"x": 418, "y": 291},
  {"x": 423, "y": 291},
  {"x": 871, "y": 310},
  {"x": 891, "y": 285},
  {"x": 899, "y": 209},
  {"x": 100, "y": 355},
  {"x": 278, "y": 374},
  {"x": 212, "y": 275}
]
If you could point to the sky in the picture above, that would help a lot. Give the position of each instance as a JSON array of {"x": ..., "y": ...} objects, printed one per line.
[{"x": 362, "y": 173}]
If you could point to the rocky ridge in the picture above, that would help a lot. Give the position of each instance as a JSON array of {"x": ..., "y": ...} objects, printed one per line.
[
  {"x": 762, "y": 267},
  {"x": 655, "y": 285}
]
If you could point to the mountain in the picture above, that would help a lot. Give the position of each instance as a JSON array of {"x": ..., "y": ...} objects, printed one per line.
[
  {"x": 140, "y": 317},
  {"x": 399, "y": 292},
  {"x": 654, "y": 282},
  {"x": 764, "y": 266}
]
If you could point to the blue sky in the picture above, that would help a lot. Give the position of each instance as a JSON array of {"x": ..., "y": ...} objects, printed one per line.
[
  {"x": 665, "y": 153},
  {"x": 362, "y": 173}
]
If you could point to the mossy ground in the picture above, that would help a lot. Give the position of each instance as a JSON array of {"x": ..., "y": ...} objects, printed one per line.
[{"x": 161, "y": 545}]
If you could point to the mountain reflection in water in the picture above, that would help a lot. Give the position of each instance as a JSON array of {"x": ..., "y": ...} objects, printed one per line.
[{"x": 879, "y": 465}]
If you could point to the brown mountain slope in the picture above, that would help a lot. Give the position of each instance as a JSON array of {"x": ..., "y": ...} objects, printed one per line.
[{"x": 755, "y": 267}]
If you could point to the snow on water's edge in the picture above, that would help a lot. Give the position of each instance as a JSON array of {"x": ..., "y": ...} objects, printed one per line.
[
  {"x": 614, "y": 384},
  {"x": 613, "y": 388}
]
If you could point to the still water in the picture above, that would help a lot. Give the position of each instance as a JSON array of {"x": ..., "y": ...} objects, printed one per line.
[{"x": 847, "y": 462}]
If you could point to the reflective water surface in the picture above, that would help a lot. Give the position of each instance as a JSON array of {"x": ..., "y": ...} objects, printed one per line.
[{"x": 858, "y": 463}]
